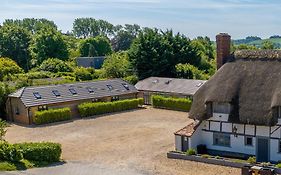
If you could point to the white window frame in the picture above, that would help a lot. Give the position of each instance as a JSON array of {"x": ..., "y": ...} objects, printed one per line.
[{"x": 221, "y": 139}]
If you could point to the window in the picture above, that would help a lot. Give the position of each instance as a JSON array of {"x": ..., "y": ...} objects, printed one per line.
[
  {"x": 90, "y": 90},
  {"x": 248, "y": 141},
  {"x": 37, "y": 95},
  {"x": 109, "y": 87},
  {"x": 114, "y": 98},
  {"x": 42, "y": 108},
  {"x": 73, "y": 91},
  {"x": 17, "y": 111},
  {"x": 56, "y": 93},
  {"x": 219, "y": 107},
  {"x": 221, "y": 139},
  {"x": 279, "y": 112},
  {"x": 126, "y": 86},
  {"x": 96, "y": 100}
]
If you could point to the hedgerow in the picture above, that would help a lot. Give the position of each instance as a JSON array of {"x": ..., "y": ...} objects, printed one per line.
[
  {"x": 89, "y": 109},
  {"x": 181, "y": 104},
  {"x": 52, "y": 115}
]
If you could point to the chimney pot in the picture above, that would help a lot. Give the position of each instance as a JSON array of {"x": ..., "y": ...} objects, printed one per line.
[{"x": 223, "y": 41}]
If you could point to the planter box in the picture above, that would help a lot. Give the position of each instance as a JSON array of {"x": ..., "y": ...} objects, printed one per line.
[{"x": 222, "y": 162}]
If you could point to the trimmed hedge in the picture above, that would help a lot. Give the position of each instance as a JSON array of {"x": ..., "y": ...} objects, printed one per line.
[
  {"x": 8, "y": 152},
  {"x": 52, "y": 115},
  {"x": 43, "y": 151},
  {"x": 181, "y": 104},
  {"x": 90, "y": 109}
]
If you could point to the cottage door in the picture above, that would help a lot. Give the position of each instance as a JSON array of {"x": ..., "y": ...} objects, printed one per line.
[
  {"x": 184, "y": 141},
  {"x": 262, "y": 150}
]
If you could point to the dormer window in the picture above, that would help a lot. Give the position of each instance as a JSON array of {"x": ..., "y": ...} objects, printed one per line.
[
  {"x": 221, "y": 107},
  {"x": 37, "y": 95}
]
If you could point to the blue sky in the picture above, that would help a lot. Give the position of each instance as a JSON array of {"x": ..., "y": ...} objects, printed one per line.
[{"x": 239, "y": 18}]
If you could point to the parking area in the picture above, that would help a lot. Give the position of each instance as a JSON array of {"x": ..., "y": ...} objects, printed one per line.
[{"x": 134, "y": 141}]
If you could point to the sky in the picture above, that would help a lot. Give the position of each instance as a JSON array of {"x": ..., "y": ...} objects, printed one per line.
[{"x": 239, "y": 18}]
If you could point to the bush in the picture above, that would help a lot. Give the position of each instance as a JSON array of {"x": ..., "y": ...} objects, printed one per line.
[
  {"x": 89, "y": 109},
  {"x": 181, "y": 104},
  {"x": 132, "y": 79},
  {"x": 83, "y": 74},
  {"x": 52, "y": 115},
  {"x": 191, "y": 151},
  {"x": 206, "y": 156},
  {"x": 44, "y": 151},
  {"x": 278, "y": 165},
  {"x": 55, "y": 65},
  {"x": 9, "y": 152},
  {"x": 252, "y": 160}
]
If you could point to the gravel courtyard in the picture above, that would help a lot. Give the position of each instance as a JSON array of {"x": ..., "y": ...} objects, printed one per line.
[{"x": 133, "y": 141}]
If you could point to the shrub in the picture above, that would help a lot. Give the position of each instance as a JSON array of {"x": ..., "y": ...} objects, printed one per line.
[
  {"x": 132, "y": 79},
  {"x": 191, "y": 151},
  {"x": 52, "y": 115},
  {"x": 278, "y": 165},
  {"x": 9, "y": 152},
  {"x": 89, "y": 109},
  {"x": 252, "y": 160},
  {"x": 83, "y": 74},
  {"x": 55, "y": 65},
  {"x": 8, "y": 66},
  {"x": 181, "y": 104},
  {"x": 206, "y": 156},
  {"x": 44, "y": 151}
]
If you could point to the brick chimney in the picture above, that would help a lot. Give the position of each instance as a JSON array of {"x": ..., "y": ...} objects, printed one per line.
[{"x": 223, "y": 48}]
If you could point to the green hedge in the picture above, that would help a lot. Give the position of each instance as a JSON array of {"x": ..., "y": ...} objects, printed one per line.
[
  {"x": 89, "y": 109},
  {"x": 8, "y": 152},
  {"x": 52, "y": 115},
  {"x": 43, "y": 151},
  {"x": 181, "y": 104}
]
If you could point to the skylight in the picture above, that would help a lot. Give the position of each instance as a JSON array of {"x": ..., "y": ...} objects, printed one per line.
[
  {"x": 37, "y": 95},
  {"x": 126, "y": 86},
  {"x": 109, "y": 87},
  {"x": 91, "y": 90},
  {"x": 73, "y": 91},
  {"x": 200, "y": 84},
  {"x": 56, "y": 93}
]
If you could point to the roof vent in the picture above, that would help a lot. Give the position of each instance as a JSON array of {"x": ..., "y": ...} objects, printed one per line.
[
  {"x": 155, "y": 81},
  {"x": 169, "y": 81}
]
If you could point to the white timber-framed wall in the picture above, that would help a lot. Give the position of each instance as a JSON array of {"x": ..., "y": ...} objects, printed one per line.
[{"x": 238, "y": 135}]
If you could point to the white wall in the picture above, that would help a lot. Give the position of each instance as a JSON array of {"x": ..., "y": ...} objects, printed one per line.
[
  {"x": 178, "y": 143},
  {"x": 220, "y": 117},
  {"x": 274, "y": 152}
]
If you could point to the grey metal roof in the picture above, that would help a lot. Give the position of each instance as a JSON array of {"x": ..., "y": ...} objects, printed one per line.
[
  {"x": 100, "y": 90},
  {"x": 95, "y": 62},
  {"x": 170, "y": 85}
]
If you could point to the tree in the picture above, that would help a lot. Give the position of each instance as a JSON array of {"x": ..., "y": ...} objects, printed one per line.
[
  {"x": 14, "y": 43},
  {"x": 48, "y": 43},
  {"x": 116, "y": 65},
  {"x": 3, "y": 130},
  {"x": 8, "y": 67},
  {"x": 155, "y": 53},
  {"x": 267, "y": 45},
  {"x": 5, "y": 90},
  {"x": 246, "y": 47},
  {"x": 98, "y": 46},
  {"x": 190, "y": 72},
  {"x": 55, "y": 65},
  {"x": 31, "y": 24},
  {"x": 124, "y": 37},
  {"x": 90, "y": 27}
]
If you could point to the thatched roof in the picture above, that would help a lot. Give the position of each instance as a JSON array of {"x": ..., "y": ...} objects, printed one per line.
[{"x": 251, "y": 83}]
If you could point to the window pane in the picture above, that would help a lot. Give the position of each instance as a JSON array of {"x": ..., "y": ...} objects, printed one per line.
[
  {"x": 221, "y": 108},
  {"x": 221, "y": 139}
]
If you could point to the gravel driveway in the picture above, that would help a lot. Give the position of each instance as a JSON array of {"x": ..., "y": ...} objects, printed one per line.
[{"x": 132, "y": 142}]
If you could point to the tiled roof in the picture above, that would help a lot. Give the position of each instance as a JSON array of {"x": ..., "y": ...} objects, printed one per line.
[
  {"x": 170, "y": 85},
  {"x": 188, "y": 130},
  {"x": 82, "y": 89}
]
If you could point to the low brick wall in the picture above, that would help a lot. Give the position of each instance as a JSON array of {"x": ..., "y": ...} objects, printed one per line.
[{"x": 175, "y": 155}]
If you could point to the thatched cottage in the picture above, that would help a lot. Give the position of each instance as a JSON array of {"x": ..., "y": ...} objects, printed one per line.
[
  {"x": 22, "y": 104},
  {"x": 238, "y": 111}
]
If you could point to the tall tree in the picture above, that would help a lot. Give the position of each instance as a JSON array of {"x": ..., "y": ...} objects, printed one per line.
[
  {"x": 31, "y": 24},
  {"x": 14, "y": 43},
  {"x": 48, "y": 43},
  {"x": 90, "y": 27},
  {"x": 155, "y": 53},
  {"x": 98, "y": 46}
]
